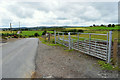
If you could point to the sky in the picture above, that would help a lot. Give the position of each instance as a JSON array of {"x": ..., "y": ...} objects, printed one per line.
[{"x": 57, "y": 13}]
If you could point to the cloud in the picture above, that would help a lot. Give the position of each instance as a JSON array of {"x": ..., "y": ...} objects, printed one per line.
[{"x": 57, "y": 13}]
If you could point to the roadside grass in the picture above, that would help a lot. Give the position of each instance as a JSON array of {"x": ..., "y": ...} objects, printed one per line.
[
  {"x": 49, "y": 43},
  {"x": 107, "y": 66},
  {"x": 69, "y": 50}
]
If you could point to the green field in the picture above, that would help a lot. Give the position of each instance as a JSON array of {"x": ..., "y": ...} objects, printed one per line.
[
  {"x": 95, "y": 28},
  {"x": 86, "y": 36},
  {"x": 29, "y": 33},
  {"x": 25, "y": 33}
]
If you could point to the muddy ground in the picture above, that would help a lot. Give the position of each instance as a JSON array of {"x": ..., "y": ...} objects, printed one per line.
[{"x": 54, "y": 61}]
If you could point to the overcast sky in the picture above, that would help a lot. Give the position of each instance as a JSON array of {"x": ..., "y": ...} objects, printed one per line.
[{"x": 57, "y": 13}]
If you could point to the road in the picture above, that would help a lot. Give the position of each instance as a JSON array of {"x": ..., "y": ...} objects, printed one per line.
[{"x": 18, "y": 58}]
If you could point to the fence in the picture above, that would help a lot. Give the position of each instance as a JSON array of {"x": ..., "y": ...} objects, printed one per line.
[{"x": 95, "y": 47}]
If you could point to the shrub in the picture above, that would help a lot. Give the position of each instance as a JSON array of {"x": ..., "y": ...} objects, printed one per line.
[
  {"x": 36, "y": 34},
  {"x": 20, "y": 36},
  {"x": 15, "y": 36},
  {"x": 109, "y": 25},
  {"x": 80, "y": 30},
  {"x": 113, "y": 25},
  {"x": 44, "y": 33}
]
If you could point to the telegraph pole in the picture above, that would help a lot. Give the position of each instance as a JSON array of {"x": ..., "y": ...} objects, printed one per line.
[
  {"x": 19, "y": 25},
  {"x": 10, "y": 27}
]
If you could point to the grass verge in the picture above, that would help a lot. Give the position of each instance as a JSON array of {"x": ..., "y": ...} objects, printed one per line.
[{"x": 107, "y": 66}]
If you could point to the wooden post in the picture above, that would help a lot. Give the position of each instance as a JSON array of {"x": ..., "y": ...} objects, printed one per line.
[
  {"x": 58, "y": 38},
  {"x": 63, "y": 38},
  {"x": 115, "y": 48},
  {"x": 69, "y": 41},
  {"x": 49, "y": 37},
  {"x": 78, "y": 41},
  {"x": 55, "y": 36}
]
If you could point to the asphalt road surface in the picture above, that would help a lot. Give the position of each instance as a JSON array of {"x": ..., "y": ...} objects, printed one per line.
[{"x": 18, "y": 58}]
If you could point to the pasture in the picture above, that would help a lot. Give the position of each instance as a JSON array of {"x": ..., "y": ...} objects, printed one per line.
[
  {"x": 30, "y": 33},
  {"x": 95, "y": 28}
]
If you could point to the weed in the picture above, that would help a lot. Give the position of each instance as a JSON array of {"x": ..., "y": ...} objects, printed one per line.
[{"x": 107, "y": 66}]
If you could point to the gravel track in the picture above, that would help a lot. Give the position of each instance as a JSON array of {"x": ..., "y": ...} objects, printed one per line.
[{"x": 54, "y": 61}]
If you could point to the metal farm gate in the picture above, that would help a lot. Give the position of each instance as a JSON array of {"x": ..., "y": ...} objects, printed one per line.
[{"x": 95, "y": 47}]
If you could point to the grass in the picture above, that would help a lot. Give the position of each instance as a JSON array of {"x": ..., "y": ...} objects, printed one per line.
[
  {"x": 82, "y": 28},
  {"x": 104, "y": 28},
  {"x": 29, "y": 33},
  {"x": 8, "y": 32},
  {"x": 107, "y": 66},
  {"x": 49, "y": 43},
  {"x": 86, "y": 36},
  {"x": 69, "y": 50},
  {"x": 25, "y": 33},
  {"x": 95, "y": 28}
]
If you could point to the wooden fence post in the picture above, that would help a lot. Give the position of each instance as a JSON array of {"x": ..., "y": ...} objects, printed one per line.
[
  {"x": 78, "y": 41},
  {"x": 49, "y": 37},
  {"x": 55, "y": 36},
  {"x": 58, "y": 38},
  {"x": 63, "y": 38},
  {"x": 110, "y": 45},
  {"x": 69, "y": 40},
  {"x": 115, "y": 48}
]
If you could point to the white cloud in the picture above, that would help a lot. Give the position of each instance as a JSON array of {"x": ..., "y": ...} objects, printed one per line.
[{"x": 57, "y": 13}]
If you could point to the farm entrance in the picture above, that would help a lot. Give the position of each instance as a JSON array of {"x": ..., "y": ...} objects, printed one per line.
[{"x": 83, "y": 42}]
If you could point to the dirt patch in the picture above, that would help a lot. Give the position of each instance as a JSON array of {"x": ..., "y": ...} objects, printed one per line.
[{"x": 54, "y": 61}]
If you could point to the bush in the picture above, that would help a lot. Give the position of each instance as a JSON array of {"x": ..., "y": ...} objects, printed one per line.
[
  {"x": 113, "y": 25},
  {"x": 36, "y": 34},
  {"x": 20, "y": 36},
  {"x": 44, "y": 33},
  {"x": 80, "y": 30},
  {"x": 15, "y": 36}
]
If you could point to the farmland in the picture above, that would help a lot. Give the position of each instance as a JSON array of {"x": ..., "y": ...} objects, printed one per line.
[
  {"x": 95, "y": 28},
  {"x": 100, "y": 30},
  {"x": 29, "y": 33}
]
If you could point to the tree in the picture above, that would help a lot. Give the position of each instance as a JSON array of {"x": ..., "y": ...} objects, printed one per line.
[
  {"x": 80, "y": 30},
  {"x": 44, "y": 32},
  {"x": 109, "y": 25},
  {"x": 102, "y": 25},
  {"x": 36, "y": 34},
  {"x": 94, "y": 25},
  {"x": 113, "y": 25}
]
